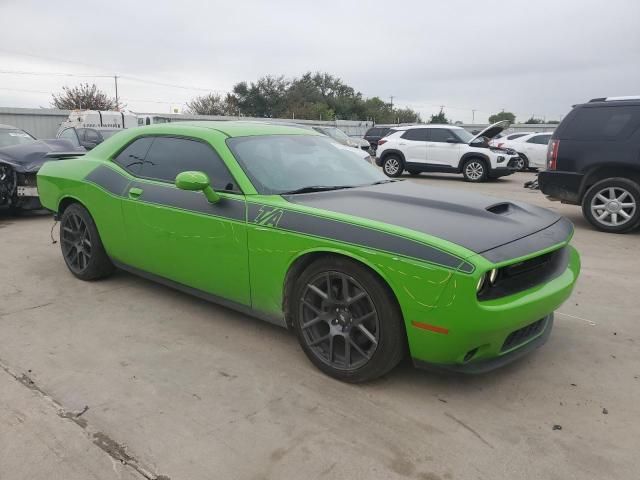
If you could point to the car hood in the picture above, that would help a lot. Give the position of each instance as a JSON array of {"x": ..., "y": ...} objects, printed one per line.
[
  {"x": 30, "y": 157},
  {"x": 477, "y": 222},
  {"x": 492, "y": 130}
]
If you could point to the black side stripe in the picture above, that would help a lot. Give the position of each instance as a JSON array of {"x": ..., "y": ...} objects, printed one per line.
[
  {"x": 290, "y": 220},
  {"x": 193, "y": 201},
  {"x": 108, "y": 179},
  {"x": 365, "y": 237}
]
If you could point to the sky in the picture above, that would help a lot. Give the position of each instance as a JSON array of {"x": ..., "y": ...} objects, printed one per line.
[{"x": 474, "y": 58}]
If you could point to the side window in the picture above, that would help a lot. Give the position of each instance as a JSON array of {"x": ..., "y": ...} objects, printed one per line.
[
  {"x": 602, "y": 123},
  {"x": 168, "y": 156},
  {"x": 440, "y": 135},
  {"x": 416, "y": 134},
  {"x": 92, "y": 136},
  {"x": 132, "y": 157},
  {"x": 70, "y": 134}
]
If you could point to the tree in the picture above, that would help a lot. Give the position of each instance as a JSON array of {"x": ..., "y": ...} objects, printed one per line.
[
  {"x": 534, "y": 121},
  {"x": 84, "y": 96},
  {"x": 312, "y": 96},
  {"x": 439, "y": 118},
  {"x": 498, "y": 117},
  {"x": 212, "y": 104}
]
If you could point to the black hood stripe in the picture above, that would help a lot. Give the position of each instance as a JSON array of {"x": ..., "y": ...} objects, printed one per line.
[{"x": 285, "y": 219}]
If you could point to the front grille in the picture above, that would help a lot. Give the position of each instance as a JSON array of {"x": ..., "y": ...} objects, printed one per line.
[
  {"x": 523, "y": 334},
  {"x": 527, "y": 274}
]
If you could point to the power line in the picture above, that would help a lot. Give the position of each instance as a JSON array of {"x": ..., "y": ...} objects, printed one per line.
[{"x": 57, "y": 74}]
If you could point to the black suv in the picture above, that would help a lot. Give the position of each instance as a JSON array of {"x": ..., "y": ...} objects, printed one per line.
[
  {"x": 374, "y": 134},
  {"x": 593, "y": 160}
]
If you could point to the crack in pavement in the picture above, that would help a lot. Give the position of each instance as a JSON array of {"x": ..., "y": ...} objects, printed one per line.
[
  {"x": 4, "y": 314},
  {"x": 115, "y": 450},
  {"x": 467, "y": 427}
]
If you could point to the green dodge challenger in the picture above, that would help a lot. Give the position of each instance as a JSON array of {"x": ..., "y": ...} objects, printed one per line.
[{"x": 284, "y": 224}]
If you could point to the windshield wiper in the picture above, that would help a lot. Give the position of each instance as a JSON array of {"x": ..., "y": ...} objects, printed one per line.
[{"x": 316, "y": 188}]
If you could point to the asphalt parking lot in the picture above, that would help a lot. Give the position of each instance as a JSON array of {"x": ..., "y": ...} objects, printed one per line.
[{"x": 125, "y": 378}]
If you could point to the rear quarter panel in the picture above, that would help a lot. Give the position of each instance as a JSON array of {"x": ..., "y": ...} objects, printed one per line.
[{"x": 62, "y": 180}]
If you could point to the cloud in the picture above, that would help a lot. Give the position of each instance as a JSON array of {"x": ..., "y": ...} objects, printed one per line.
[{"x": 539, "y": 57}]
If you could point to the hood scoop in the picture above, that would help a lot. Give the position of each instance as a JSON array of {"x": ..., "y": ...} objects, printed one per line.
[{"x": 503, "y": 208}]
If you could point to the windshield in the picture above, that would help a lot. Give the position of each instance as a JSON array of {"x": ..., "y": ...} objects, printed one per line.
[
  {"x": 284, "y": 163},
  {"x": 465, "y": 136},
  {"x": 8, "y": 138},
  {"x": 337, "y": 134}
]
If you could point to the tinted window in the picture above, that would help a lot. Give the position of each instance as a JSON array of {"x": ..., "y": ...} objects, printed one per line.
[
  {"x": 70, "y": 134},
  {"x": 92, "y": 136},
  {"x": 440, "y": 134},
  {"x": 602, "y": 123},
  {"x": 513, "y": 136},
  {"x": 377, "y": 132},
  {"x": 540, "y": 139},
  {"x": 132, "y": 157},
  {"x": 417, "y": 134},
  {"x": 168, "y": 156}
]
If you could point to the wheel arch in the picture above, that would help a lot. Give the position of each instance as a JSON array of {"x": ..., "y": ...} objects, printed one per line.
[
  {"x": 392, "y": 151},
  {"x": 474, "y": 155},
  {"x": 306, "y": 258},
  {"x": 602, "y": 172},
  {"x": 67, "y": 200}
]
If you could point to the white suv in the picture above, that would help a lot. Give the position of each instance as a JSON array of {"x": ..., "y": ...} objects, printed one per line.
[{"x": 445, "y": 148}]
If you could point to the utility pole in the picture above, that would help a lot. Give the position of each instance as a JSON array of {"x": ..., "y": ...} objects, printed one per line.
[
  {"x": 115, "y": 79},
  {"x": 473, "y": 116},
  {"x": 391, "y": 102}
]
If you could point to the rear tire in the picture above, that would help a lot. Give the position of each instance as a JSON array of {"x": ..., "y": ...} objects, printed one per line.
[
  {"x": 475, "y": 170},
  {"x": 81, "y": 245},
  {"x": 347, "y": 321},
  {"x": 392, "y": 166},
  {"x": 613, "y": 205}
]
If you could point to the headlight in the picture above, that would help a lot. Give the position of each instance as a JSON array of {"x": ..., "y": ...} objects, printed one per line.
[
  {"x": 481, "y": 282},
  {"x": 500, "y": 159},
  {"x": 493, "y": 275}
]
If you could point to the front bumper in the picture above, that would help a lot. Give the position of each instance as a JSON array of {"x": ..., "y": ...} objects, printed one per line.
[
  {"x": 378, "y": 161},
  {"x": 473, "y": 331},
  {"x": 501, "y": 172},
  {"x": 485, "y": 366}
]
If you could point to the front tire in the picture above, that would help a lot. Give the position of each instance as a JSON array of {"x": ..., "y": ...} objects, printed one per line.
[
  {"x": 81, "y": 245},
  {"x": 392, "y": 166},
  {"x": 613, "y": 205},
  {"x": 475, "y": 170},
  {"x": 346, "y": 320},
  {"x": 522, "y": 165}
]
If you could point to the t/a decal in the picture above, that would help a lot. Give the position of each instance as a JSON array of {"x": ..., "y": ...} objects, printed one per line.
[{"x": 268, "y": 217}]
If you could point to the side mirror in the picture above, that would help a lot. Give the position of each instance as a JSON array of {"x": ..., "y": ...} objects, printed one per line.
[
  {"x": 451, "y": 140},
  {"x": 195, "y": 182}
]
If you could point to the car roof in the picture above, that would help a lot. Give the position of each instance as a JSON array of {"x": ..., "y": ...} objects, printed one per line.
[
  {"x": 239, "y": 128},
  {"x": 427, "y": 125}
]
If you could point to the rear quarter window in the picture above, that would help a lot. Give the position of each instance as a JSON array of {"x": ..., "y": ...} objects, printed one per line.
[{"x": 601, "y": 123}]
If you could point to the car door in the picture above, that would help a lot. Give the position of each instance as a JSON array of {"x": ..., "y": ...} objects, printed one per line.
[
  {"x": 535, "y": 148},
  {"x": 413, "y": 143},
  {"x": 178, "y": 234},
  {"x": 443, "y": 147}
]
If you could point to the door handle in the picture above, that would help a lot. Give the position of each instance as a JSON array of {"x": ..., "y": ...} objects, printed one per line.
[{"x": 135, "y": 192}]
